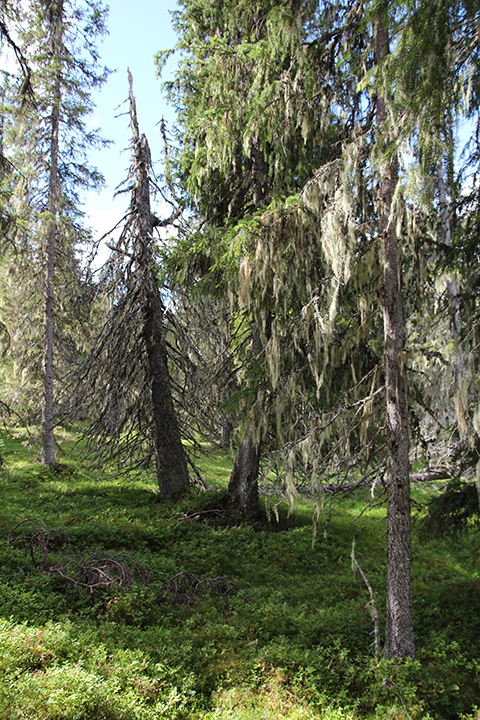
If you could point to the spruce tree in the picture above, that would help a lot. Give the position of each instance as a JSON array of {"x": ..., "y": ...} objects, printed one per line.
[
  {"x": 49, "y": 143},
  {"x": 399, "y": 640},
  {"x": 236, "y": 173},
  {"x": 434, "y": 71},
  {"x": 341, "y": 252}
]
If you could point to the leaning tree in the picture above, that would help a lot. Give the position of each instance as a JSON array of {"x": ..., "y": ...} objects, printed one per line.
[{"x": 123, "y": 387}]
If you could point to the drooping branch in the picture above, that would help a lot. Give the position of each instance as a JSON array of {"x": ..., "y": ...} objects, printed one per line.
[{"x": 26, "y": 90}]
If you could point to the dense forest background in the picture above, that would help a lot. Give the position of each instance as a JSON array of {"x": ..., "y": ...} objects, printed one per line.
[{"x": 294, "y": 294}]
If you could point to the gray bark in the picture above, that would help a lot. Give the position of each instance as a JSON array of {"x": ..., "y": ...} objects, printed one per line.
[
  {"x": 399, "y": 638},
  {"x": 227, "y": 426},
  {"x": 458, "y": 361},
  {"x": 242, "y": 493},
  {"x": 48, "y": 446},
  {"x": 170, "y": 458}
]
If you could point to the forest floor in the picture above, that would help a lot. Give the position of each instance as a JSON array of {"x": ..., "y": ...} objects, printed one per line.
[{"x": 210, "y": 616}]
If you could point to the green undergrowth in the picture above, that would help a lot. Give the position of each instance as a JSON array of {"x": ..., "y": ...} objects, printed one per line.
[{"x": 221, "y": 618}]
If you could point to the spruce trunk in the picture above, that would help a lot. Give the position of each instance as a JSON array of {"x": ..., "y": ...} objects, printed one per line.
[
  {"x": 48, "y": 441},
  {"x": 48, "y": 444},
  {"x": 242, "y": 494},
  {"x": 170, "y": 458},
  {"x": 399, "y": 639}
]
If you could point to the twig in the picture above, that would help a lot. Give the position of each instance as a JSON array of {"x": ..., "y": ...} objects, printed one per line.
[
  {"x": 200, "y": 514},
  {"x": 372, "y": 604}
]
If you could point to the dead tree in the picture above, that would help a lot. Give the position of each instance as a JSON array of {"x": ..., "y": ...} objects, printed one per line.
[
  {"x": 170, "y": 459},
  {"x": 124, "y": 385}
]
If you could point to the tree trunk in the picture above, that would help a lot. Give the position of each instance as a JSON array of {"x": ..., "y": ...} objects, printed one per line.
[
  {"x": 399, "y": 639},
  {"x": 226, "y": 425},
  {"x": 454, "y": 310},
  {"x": 48, "y": 445},
  {"x": 170, "y": 458},
  {"x": 227, "y": 422},
  {"x": 242, "y": 493}
]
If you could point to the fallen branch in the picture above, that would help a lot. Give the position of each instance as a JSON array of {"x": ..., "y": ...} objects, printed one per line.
[
  {"x": 52, "y": 553},
  {"x": 372, "y": 606},
  {"x": 199, "y": 514},
  {"x": 184, "y": 588},
  {"x": 431, "y": 475}
]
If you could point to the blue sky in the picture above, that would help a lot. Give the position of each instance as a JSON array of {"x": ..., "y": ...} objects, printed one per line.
[{"x": 137, "y": 31}]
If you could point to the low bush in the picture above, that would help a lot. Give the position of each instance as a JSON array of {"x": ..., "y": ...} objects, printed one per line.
[{"x": 237, "y": 620}]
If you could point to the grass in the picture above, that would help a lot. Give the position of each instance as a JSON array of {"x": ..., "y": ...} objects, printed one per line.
[{"x": 286, "y": 634}]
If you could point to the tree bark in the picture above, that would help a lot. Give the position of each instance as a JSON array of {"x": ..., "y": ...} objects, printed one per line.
[
  {"x": 399, "y": 638},
  {"x": 170, "y": 457},
  {"x": 48, "y": 445},
  {"x": 226, "y": 425},
  {"x": 242, "y": 493},
  {"x": 454, "y": 311}
]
